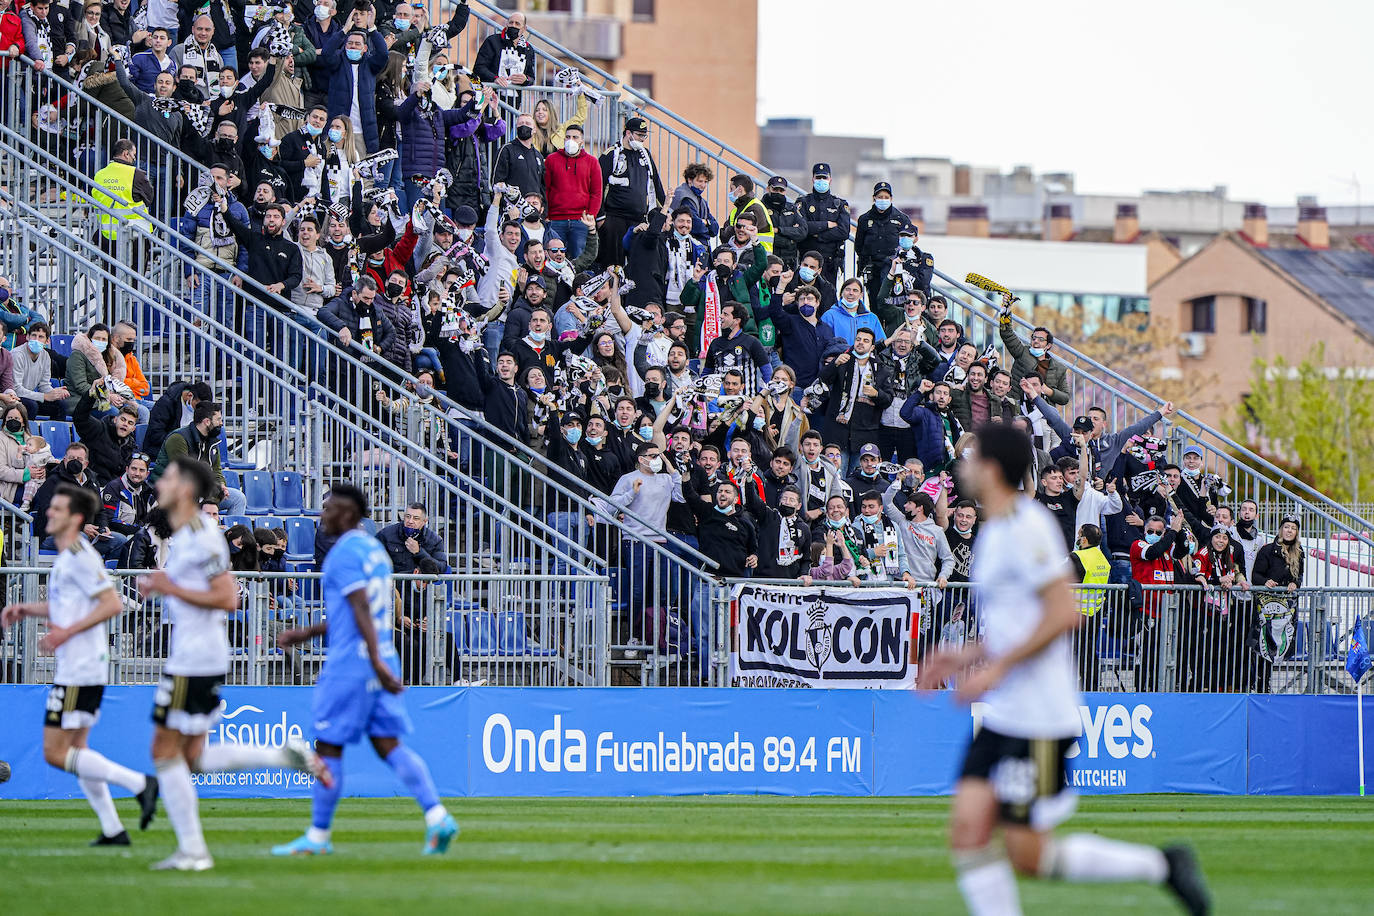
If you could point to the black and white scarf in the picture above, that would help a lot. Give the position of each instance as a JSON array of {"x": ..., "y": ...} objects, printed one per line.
[
  {"x": 620, "y": 167},
  {"x": 207, "y": 64},
  {"x": 679, "y": 263},
  {"x": 44, "y": 30}
]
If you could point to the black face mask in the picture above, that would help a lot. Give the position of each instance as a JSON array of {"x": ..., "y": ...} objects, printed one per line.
[
  {"x": 511, "y": 33},
  {"x": 787, "y": 511},
  {"x": 724, "y": 273},
  {"x": 774, "y": 200},
  {"x": 524, "y": 132},
  {"x": 652, "y": 390},
  {"x": 14, "y": 425},
  {"x": 73, "y": 466},
  {"x": 225, "y": 143},
  {"x": 126, "y": 347},
  {"x": 393, "y": 290}
]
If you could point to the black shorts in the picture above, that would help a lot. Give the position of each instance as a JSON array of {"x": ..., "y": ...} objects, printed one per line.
[
  {"x": 1028, "y": 777},
  {"x": 187, "y": 704},
  {"x": 73, "y": 707}
]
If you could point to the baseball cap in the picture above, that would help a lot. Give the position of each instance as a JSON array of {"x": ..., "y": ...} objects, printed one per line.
[
  {"x": 881, "y": 186},
  {"x": 1082, "y": 425},
  {"x": 538, "y": 281},
  {"x": 636, "y": 123},
  {"x": 870, "y": 449},
  {"x": 820, "y": 168},
  {"x": 777, "y": 181},
  {"x": 465, "y": 216},
  {"x": 1192, "y": 450},
  {"x": 907, "y": 230}
]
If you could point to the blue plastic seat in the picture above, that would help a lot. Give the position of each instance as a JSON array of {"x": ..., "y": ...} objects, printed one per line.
[
  {"x": 268, "y": 521},
  {"x": 58, "y": 435},
  {"x": 513, "y": 639},
  {"x": 226, "y": 462},
  {"x": 232, "y": 479},
  {"x": 288, "y": 493},
  {"x": 232, "y": 520},
  {"x": 140, "y": 431},
  {"x": 257, "y": 489},
  {"x": 369, "y": 526},
  {"x": 300, "y": 536},
  {"x": 483, "y": 638},
  {"x": 61, "y": 344}
]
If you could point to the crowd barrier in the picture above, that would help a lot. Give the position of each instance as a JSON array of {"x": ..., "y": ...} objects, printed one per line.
[{"x": 500, "y": 742}]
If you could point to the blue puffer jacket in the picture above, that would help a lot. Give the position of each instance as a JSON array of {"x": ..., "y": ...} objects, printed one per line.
[
  {"x": 929, "y": 432},
  {"x": 339, "y": 69},
  {"x": 423, "y": 133}
]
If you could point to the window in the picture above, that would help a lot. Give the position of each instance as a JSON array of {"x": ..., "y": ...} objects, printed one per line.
[
  {"x": 560, "y": 6},
  {"x": 644, "y": 11},
  {"x": 1204, "y": 317},
  {"x": 1256, "y": 316},
  {"x": 643, "y": 82}
]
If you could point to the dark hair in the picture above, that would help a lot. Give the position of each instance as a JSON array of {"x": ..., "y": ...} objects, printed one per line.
[
  {"x": 868, "y": 331},
  {"x": 1007, "y": 447},
  {"x": 922, "y": 500},
  {"x": 1066, "y": 463},
  {"x": 743, "y": 181},
  {"x": 259, "y": 53},
  {"x": 204, "y": 411},
  {"x": 806, "y": 289},
  {"x": 952, "y": 323},
  {"x": 1046, "y": 331},
  {"x": 681, "y": 210},
  {"x": 281, "y": 211},
  {"x": 813, "y": 434},
  {"x": 870, "y": 496},
  {"x": 198, "y": 473},
  {"x": 351, "y": 493},
  {"x": 783, "y": 451},
  {"x": 696, "y": 170},
  {"x": 80, "y": 501},
  {"x": 200, "y": 391},
  {"x": 19, "y": 406},
  {"x": 40, "y": 326},
  {"x": 729, "y": 372},
  {"x": 642, "y": 448},
  {"x": 1049, "y": 469},
  {"x": 1092, "y": 534},
  {"x": 709, "y": 447},
  {"x": 246, "y": 560},
  {"x": 746, "y": 215},
  {"x": 571, "y": 127},
  {"x": 815, "y": 256}
]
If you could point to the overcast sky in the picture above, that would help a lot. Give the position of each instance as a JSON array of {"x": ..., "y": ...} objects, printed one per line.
[{"x": 1270, "y": 98}]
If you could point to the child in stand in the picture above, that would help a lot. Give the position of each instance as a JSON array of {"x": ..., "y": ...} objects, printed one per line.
[
  {"x": 39, "y": 457},
  {"x": 830, "y": 562}
]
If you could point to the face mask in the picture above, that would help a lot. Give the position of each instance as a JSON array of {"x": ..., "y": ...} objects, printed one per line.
[
  {"x": 424, "y": 391},
  {"x": 393, "y": 290},
  {"x": 655, "y": 464},
  {"x": 681, "y": 236},
  {"x": 126, "y": 347},
  {"x": 1037, "y": 352},
  {"x": 807, "y": 310},
  {"x": 400, "y": 24},
  {"x": 323, "y": 12},
  {"x": 881, "y": 204},
  {"x": 511, "y": 33},
  {"x": 595, "y": 440},
  {"x": 14, "y": 424},
  {"x": 963, "y": 530},
  {"x": 735, "y": 194},
  {"x": 266, "y": 150},
  {"x": 226, "y": 91},
  {"x": 652, "y": 390},
  {"x": 906, "y": 243},
  {"x": 774, "y": 199},
  {"x": 646, "y": 432},
  {"x": 758, "y": 423},
  {"x": 821, "y": 185},
  {"x": 870, "y": 519},
  {"x": 1192, "y": 472},
  {"x": 637, "y": 145},
  {"x": 1152, "y": 538},
  {"x": 572, "y": 146},
  {"x": 354, "y": 54},
  {"x": 312, "y": 130},
  {"x": 35, "y": 347},
  {"x": 73, "y": 467},
  {"x": 830, "y": 522},
  {"x": 573, "y": 435},
  {"x": 538, "y": 336},
  {"x": 537, "y": 391},
  {"x": 99, "y": 345},
  {"x": 725, "y": 510},
  {"x": 806, "y": 273},
  {"x": 335, "y": 135},
  {"x": 524, "y": 132},
  {"x": 787, "y": 511},
  {"x": 413, "y": 532}
]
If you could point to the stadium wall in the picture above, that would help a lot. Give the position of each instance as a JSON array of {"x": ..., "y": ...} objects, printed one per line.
[{"x": 492, "y": 741}]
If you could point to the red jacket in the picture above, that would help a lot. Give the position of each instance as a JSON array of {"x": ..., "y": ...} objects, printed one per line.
[
  {"x": 572, "y": 185},
  {"x": 11, "y": 33}
]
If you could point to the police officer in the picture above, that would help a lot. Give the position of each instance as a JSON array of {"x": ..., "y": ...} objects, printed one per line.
[
  {"x": 827, "y": 222},
  {"x": 788, "y": 226},
  {"x": 875, "y": 242}
]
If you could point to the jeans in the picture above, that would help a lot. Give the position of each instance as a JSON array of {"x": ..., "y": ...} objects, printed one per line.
[
  {"x": 573, "y": 526},
  {"x": 392, "y": 178},
  {"x": 491, "y": 338},
  {"x": 234, "y": 502},
  {"x": 645, "y": 573},
  {"x": 47, "y": 410},
  {"x": 428, "y": 358},
  {"x": 412, "y": 191},
  {"x": 108, "y": 547},
  {"x": 573, "y": 233},
  {"x": 702, "y": 623},
  {"x": 229, "y": 55}
]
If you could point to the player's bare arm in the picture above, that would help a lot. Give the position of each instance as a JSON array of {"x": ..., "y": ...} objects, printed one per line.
[
  {"x": 1061, "y": 616},
  {"x": 13, "y": 613},
  {"x": 108, "y": 607},
  {"x": 222, "y": 595},
  {"x": 294, "y": 637},
  {"x": 362, "y": 615},
  {"x": 942, "y": 664}
]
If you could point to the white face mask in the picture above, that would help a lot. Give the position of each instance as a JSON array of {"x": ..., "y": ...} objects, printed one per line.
[
  {"x": 636, "y": 145},
  {"x": 655, "y": 464},
  {"x": 571, "y": 146},
  {"x": 464, "y": 234}
]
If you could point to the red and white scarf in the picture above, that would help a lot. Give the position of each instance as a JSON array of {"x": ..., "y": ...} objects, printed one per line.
[{"x": 710, "y": 314}]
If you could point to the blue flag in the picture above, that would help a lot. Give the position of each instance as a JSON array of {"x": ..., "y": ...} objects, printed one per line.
[{"x": 1357, "y": 658}]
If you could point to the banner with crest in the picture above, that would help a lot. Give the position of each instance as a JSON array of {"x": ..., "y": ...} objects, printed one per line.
[{"x": 854, "y": 638}]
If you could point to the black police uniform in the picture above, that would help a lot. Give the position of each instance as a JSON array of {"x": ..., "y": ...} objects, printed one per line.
[
  {"x": 817, "y": 210},
  {"x": 875, "y": 244}
]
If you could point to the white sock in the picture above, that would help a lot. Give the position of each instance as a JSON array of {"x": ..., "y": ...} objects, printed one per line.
[
  {"x": 435, "y": 814},
  {"x": 88, "y": 764},
  {"x": 317, "y": 834},
  {"x": 221, "y": 757},
  {"x": 97, "y": 792},
  {"x": 1084, "y": 857},
  {"x": 183, "y": 808},
  {"x": 987, "y": 883}
]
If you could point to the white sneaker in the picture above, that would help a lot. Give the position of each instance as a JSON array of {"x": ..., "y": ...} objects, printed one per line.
[
  {"x": 300, "y": 756},
  {"x": 184, "y": 861}
]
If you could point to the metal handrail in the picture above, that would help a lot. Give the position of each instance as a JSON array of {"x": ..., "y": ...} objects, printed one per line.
[{"x": 34, "y": 153}]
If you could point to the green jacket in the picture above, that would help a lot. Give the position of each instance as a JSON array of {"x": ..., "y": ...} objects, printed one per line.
[
  {"x": 81, "y": 375},
  {"x": 188, "y": 441},
  {"x": 694, "y": 296},
  {"x": 1055, "y": 376}
]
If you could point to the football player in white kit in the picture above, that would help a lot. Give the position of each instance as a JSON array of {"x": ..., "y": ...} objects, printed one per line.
[
  {"x": 1014, "y": 770},
  {"x": 198, "y": 594},
  {"x": 81, "y": 599}
]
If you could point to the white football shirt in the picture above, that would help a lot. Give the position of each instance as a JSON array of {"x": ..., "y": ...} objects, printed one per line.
[
  {"x": 1015, "y": 557},
  {"x": 78, "y": 578},
  {"x": 200, "y": 642}
]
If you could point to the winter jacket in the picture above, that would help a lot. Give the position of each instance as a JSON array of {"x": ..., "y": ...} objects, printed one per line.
[
  {"x": 317, "y": 72},
  {"x": 166, "y": 128},
  {"x": 704, "y": 225},
  {"x": 875, "y": 239},
  {"x": 1053, "y": 373},
  {"x": 627, "y": 190},
  {"x": 929, "y": 431},
  {"x": 463, "y": 157},
  {"x": 846, "y": 324},
  {"x": 961, "y": 405},
  {"x": 499, "y": 57},
  {"x": 14, "y": 465},
  {"x": 108, "y": 453},
  {"x": 423, "y": 130},
  {"x": 647, "y": 263},
  {"x": 124, "y": 509},
  {"x": 865, "y": 419},
  {"x": 520, "y": 165},
  {"x": 343, "y": 313},
  {"x": 85, "y": 367},
  {"x": 338, "y": 69},
  {"x": 788, "y": 227},
  {"x": 802, "y": 342},
  {"x": 57, "y": 475},
  {"x": 189, "y": 441},
  {"x": 393, "y": 538},
  {"x": 572, "y": 185},
  {"x": 144, "y": 68}
]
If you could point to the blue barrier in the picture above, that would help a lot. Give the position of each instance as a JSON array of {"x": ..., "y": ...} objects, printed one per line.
[{"x": 621, "y": 741}]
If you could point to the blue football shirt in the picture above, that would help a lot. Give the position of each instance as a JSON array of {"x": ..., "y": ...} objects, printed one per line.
[{"x": 357, "y": 561}]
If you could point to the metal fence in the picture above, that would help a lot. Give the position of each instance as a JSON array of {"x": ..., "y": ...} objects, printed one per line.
[{"x": 506, "y": 630}]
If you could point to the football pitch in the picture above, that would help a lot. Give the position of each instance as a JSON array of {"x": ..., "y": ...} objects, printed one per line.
[{"x": 667, "y": 855}]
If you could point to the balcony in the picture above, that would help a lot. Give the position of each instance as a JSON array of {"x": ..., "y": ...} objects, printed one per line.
[{"x": 593, "y": 37}]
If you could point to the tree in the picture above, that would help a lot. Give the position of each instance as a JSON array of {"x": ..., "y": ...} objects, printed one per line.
[{"x": 1317, "y": 417}]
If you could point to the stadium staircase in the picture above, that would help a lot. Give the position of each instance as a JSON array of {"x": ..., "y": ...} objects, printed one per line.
[{"x": 293, "y": 404}]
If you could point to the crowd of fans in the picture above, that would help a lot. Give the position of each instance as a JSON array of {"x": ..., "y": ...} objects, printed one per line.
[{"x": 714, "y": 375}]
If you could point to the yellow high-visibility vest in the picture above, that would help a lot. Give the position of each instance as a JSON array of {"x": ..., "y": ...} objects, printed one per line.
[
  {"x": 114, "y": 188},
  {"x": 765, "y": 231},
  {"x": 1097, "y": 570}
]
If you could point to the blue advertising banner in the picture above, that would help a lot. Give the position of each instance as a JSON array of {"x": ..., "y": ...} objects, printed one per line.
[
  {"x": 1301, "y": 745},
  {"x": 492, "y": 741}
]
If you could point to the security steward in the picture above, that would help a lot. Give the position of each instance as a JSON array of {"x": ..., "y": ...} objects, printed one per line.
[
  {"x": 742, "y": 200},
  {"x": 127, "y": 192},
  {"x": 875, "y": 242},
  {"x": 827, "y": 222},
  {"x": 1091, "y": 567}
]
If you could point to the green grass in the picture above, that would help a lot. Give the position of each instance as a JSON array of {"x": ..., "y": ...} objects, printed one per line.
[{"x": 659, "y": 855}]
